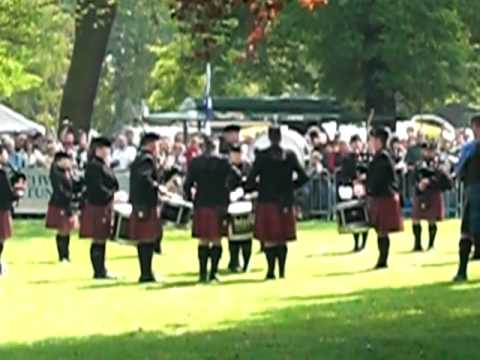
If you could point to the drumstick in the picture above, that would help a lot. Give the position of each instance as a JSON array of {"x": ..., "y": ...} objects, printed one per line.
[{"x": 369, "y": 122}]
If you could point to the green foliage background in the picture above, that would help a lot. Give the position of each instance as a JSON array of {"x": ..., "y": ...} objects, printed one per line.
[{"x": 430, "y": 48}]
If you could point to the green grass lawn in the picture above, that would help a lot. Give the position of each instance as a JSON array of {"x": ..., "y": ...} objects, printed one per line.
[{"x": 331, "y": 306}]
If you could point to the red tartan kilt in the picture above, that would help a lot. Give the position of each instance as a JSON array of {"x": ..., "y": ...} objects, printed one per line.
[
  {"x": 272, "y": 225},
  {"x": 96, "y": 222},
  {"x": 208, "y": 223},
  {"x": 386, "y": 214},
  {"x": 58, "y": 219},
  {"x": 146, "y": 228},
  {"x": 434, "y": 211},
  {"x": 5, "y": 225}
]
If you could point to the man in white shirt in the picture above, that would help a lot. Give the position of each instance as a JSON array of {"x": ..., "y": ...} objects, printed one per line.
[{"x": 123, "y": 154}]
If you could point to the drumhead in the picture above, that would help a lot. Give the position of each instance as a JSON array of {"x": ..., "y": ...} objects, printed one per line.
[
  {"x": 125, "y": 210},
  {"x": 240, "y": 208},
  {"x": 345, "y": 192},
  {"x": 121, "y": 197}
]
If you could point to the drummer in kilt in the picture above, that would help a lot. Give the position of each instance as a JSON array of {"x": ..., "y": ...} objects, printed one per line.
[
  {"x": 145, "y": 224},
  {"x": 96, "y": 217},
  {"x": 428, "y": 203},
  {"x": 8, "y": 195},
  {"x": 352, "y": 173},
  {"x": 60, "y": 213},
  {"x": 383, "y": 197},
  {"x": 468, "y": 170},
  {"x": 238, "y": 176},
  {"x": 272, "y": 176},
  {"x": 208, "y": 176}
]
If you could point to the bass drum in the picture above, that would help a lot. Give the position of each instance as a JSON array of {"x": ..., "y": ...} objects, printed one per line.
[{"x": 291, "y": 140}]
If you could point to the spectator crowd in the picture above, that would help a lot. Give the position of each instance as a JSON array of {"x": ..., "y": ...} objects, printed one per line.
[{"x": 324, "y": 159}]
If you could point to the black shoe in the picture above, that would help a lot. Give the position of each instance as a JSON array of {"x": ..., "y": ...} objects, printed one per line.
[
  {"x": 235, "y": 270},
  {"x": 214, "y": 278},
  {"x": 203, "y": 279},
  {"x": 459, "y": 278},
  {"x": 105, "y": 276},
  {"x": 158, "y": 248},
  {"x": 147, "y": 279},
  {"x": 270, "y": 277},
  {"x": 380, "y": 266}
]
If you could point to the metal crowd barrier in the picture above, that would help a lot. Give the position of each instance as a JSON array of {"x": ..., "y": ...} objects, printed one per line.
[{"x": 318, "y": 197}]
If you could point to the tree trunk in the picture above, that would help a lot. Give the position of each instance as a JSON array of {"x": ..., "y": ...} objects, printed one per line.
[
  {"x": 94, "y": 20},
  {"x": 378, "y": 94}
]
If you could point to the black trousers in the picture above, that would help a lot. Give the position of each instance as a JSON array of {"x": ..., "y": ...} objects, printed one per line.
[{"x": 236, "y": 248}]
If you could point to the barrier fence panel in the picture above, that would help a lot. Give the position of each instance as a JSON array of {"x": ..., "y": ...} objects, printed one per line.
[
  {"x": 39, "y": 190},
  {"x": 319, "y": 196}
]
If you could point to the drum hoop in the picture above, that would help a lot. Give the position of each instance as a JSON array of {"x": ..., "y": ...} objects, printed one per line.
[
  {"x": 248, "y": 208},
  {"x": 351, "y": 203}
]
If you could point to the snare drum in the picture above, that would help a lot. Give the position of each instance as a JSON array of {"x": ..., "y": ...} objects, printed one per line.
[
  {"x": 352, "y": 217},
  {"x": 120, "y": 230},
  {"x": 240, "y": 221},
  {"x": 177, "y": 211}
]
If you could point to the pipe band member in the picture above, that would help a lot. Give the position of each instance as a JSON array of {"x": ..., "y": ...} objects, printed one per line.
[
  {"x": 428, "y": 203},
  {"x": 469, "y": 173},
  {"x": 383, "y": 196},
  {"x": 145, "y": 223},
  {"x": 272, "y": 176},
  {"x": 60, "y": 213},
  {"x": 208, "y": 176},
  {"x": 8, "y": 195},
  {"x": 237, "y": 179},
  {"x": 353, "y": 173},
  {"x": 97, "y": 214}
]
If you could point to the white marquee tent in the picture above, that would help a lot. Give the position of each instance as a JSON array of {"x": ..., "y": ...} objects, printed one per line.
[{"x": 13, "y": 122}]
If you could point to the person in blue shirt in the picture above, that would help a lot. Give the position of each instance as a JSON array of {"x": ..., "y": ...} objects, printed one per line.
[{"x": 467, "y": 171}]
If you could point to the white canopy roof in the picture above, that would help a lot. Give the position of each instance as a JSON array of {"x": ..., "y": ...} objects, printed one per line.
[{"x": 13, "y": 122}]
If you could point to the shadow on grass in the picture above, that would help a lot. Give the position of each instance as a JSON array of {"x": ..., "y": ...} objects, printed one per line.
[
  {"x": 223, "y": 272},
  {"x": 191, "y": 283},
  {"x": 44, "y": 262},
  {"x": 447, "y": 263},
  {"x": 410, "y": 252},
  {"x": 108, "y": 284},
  {"x": 160, "y": 285},
  {"x": 122, "y": 257},
  {"x": 438, "y": 321},
  {"x": 58, "y": 281},
  {"x": 333, "y": 254},
  {"x": 346, "y": 273}
]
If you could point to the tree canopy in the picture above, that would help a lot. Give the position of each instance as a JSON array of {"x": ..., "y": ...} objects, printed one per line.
[{"x": 394, "y": 56}]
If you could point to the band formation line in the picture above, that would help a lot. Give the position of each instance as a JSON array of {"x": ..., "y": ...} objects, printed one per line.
[{"x": 225, "y": 196}]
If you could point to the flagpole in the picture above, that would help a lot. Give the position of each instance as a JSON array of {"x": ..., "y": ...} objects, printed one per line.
[{"x": 208, "y": 101}]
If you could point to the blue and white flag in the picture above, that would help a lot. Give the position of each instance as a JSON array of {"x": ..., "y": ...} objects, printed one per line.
[{"x": 208, "y": 101}]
